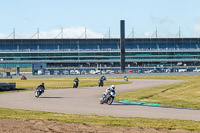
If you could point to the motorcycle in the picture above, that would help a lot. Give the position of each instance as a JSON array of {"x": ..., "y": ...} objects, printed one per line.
[
  {"x": 109, "y": 98},
  {"x": 126, "y": 79},
  {"x": 23, "y": 78},
  {"x": 39, "y": 92},
  {"x": 100, "y": 83},
  {"x": 75, "y": 85}
]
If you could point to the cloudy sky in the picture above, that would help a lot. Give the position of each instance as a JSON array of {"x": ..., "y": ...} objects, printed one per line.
[{"x": 74, "y": 16}]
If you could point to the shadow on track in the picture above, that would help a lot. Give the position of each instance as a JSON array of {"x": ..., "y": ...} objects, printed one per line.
[{"x": 55, "y": 97}]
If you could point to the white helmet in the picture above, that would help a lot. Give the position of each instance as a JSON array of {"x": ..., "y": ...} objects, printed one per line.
[{"x": 112, "y": 86}]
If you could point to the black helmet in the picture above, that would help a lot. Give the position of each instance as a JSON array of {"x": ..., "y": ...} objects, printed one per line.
[{"x": 43, "y": 84}]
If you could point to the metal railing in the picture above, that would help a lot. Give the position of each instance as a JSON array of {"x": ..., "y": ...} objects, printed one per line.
[{"x": 96, "y": 50}]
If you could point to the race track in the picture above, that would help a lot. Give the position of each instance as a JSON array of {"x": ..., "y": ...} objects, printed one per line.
[{"x": 86, "y": 101}]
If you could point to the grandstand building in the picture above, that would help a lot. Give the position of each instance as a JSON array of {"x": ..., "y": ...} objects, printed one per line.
[{"x": 139, "y": 52}]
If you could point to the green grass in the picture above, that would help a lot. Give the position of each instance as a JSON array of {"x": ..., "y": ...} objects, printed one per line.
[
  {"x": 56, "y": 83},
  {"x": 15, "y": 70},
  {"x": 184, "y": 94},
  {"x": 101, "y": 120}
]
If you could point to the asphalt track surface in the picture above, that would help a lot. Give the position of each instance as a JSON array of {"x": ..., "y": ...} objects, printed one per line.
[{"x": 86, "y": 101}]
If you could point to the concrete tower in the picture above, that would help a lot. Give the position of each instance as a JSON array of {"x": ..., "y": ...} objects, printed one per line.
[{"x": 122, "y": 45}]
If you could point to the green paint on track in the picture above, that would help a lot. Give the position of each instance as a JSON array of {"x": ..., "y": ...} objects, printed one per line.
[{"x": 139, "y": 103}]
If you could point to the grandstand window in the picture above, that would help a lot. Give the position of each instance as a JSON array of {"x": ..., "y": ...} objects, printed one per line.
[
  {"x": 114, "y": 58},
  {"x": 86, "y": 54},
  {"x": 2, "y": 46},
  {"x": 158, "y": 53},
  {"x": 130, "y": 54},
  {"x": 50, "y": 54},
  {"x": 170, "y": 53},
  {"x": 32, "y": 54},
  {"x": 42, "y": 54},
  {"x": 2, "y": 54},
  {"x": 139, "y": 53},
  {"x": 131, "y": 46},
  {"x": 33, "y": 45},
  {"x": 70, "y": 54},
  {"x": 115, "y": 54},
  {"x": 22, "y": 54},
  {"x": 98, "y": 54},
  {"x": 10, "y": 55},
  {"x": 58, "y": 54}
]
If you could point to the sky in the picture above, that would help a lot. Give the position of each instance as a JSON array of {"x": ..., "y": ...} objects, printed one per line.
[{"x": 97, "y": 17}]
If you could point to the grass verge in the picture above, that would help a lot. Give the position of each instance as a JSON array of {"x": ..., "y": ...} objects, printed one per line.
[
  {"x": 168, "y": 124},
  {"x": 184, "y": 94},
  {"x": 55, "y": 83},
  {"x": 15, "y": 70}
]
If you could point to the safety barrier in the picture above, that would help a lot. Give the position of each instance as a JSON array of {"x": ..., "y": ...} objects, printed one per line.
[{"x": 7, "y": 86}]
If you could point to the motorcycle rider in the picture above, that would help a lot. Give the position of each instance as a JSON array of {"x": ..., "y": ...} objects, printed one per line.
[
  {"x": 42, "y": 87},
  {"x": 108, "y": 96},
  {"x": 77, "y": 81},
  {"x": 110, "y": 89},
  {"x": 23, "y": 77},
  {"x": 103, "y": 77},
  {"x": 125, "y": 78},
  {"x": 101, "y": 82}
]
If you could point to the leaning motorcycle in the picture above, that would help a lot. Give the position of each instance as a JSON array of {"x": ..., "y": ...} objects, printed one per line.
[
  {"x": 101, "y": 83},
  {"x": 126, "y": 79},
  {"x": 23, "y": 78},
  {"x": 38, "y": 92},
  {"x": 75, "y": 85},
  {"x": 109, "y": 98}
]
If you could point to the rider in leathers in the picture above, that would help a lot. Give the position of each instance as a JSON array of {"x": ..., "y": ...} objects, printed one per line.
[
  {"x": 77, "y": 81},
  {"x": 110, "y": 89},
  {"x": 101, "y": 82},
  {"x": 42, "y": 87}
]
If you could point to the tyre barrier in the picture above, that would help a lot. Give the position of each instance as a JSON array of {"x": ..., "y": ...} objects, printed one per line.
[{"x": 7, "y": 86}]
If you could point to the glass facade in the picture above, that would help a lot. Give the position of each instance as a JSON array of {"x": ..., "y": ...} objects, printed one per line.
[{"x": 91, "y": 52}]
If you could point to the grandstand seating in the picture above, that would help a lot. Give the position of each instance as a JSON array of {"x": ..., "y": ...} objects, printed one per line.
[
  {"x": 131, "y": 46},
  {"x": 88, "y": 46},
  {"x": 75, "y": 52},
  {"x": 98, "y": 44}
]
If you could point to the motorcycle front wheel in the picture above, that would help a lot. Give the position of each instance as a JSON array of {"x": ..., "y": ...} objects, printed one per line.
[
  {"x": 37, "y": 94},
  {"x": 110, "y": 100}
]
